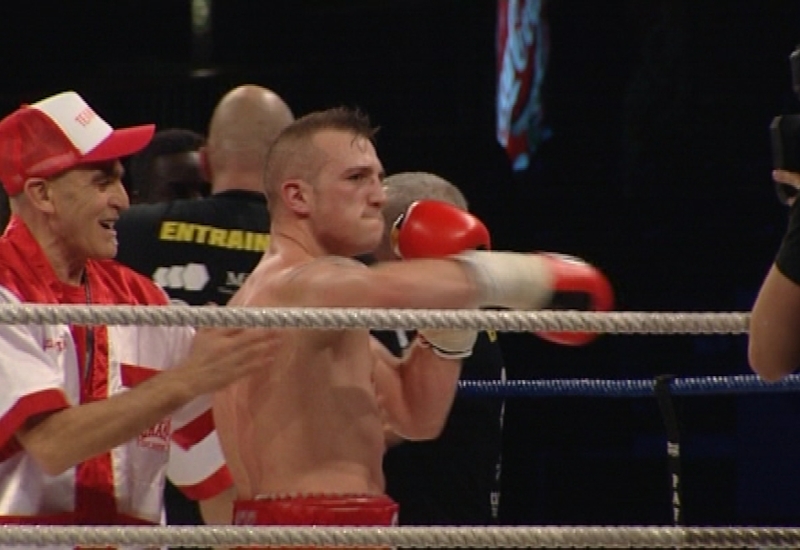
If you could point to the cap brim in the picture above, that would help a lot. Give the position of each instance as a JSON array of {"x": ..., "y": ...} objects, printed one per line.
[{"x": 122, "y": 142}]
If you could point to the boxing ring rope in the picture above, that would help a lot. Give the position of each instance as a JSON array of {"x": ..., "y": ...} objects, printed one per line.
[
  {"x": 706, "y": 385},
  {"x": 407, "y": 537},
  {"x": 624, "y": 322},
  {"x": 426, "y": 537}
]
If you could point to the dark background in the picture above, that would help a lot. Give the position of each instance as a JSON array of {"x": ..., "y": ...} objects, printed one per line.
[{"x": 657, "y": 171}]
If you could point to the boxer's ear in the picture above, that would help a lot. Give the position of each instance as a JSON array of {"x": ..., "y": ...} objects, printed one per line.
[{"x": 297, "y": 196}]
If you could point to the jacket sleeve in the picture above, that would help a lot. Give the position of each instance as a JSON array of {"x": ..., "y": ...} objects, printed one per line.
[
  {"x": 196, "y": 463},
  {"x": 200, "y": 471},
  {"x": 33, "y": 377}
]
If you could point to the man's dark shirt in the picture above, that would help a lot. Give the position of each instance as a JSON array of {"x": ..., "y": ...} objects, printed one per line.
[
  {"x": 199, "y": 251},
  {"x": 454, "y": 479}
]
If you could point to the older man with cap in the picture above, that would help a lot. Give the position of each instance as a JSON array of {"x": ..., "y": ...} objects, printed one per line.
[{"x": 89, "y": 415}]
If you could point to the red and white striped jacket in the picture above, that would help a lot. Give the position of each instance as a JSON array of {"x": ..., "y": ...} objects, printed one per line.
[{"x": 46, "y": 368}]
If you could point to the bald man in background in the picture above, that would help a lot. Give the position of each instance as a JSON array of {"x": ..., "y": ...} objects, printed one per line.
[{"x": 201, "y": 250}]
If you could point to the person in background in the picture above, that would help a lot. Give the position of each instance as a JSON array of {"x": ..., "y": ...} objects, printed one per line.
[
  {"x": 200, "y": 252},
  {"x": 455, "y": 478},
  {"x": 169, "y": 168}
]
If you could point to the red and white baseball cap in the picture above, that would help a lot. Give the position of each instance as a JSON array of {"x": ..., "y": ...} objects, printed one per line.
[{"x": 59, "y": 133}]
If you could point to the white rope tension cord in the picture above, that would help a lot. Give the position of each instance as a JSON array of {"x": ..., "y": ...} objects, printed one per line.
[
  {"x": 419, "y": 537},
  {"x": 338, "y": 318}
]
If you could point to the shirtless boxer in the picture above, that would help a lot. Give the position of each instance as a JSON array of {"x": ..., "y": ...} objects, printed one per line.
[{"x": 304, "y": 438}]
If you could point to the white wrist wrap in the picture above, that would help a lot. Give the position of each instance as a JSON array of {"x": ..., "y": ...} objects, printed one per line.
[
  {"x": 449, "y": 343},
  {"x": 509, "y": 279}
]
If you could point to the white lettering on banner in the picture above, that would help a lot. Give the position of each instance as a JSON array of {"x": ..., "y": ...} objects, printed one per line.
[
  {"x": 673, "y": 449},
  {"x": 235, "y": 279}
]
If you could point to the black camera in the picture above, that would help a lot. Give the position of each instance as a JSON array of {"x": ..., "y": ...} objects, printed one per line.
[{"x": 785, "y": 136}]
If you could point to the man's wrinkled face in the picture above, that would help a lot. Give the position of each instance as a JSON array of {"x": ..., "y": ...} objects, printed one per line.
[{"x": 86, "y": 203}]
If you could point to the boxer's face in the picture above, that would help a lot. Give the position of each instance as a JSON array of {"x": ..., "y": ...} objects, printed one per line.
[{"x": 348, "y": 194}]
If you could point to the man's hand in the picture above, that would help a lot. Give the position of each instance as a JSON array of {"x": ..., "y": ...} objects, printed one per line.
[{"x": 787, "y": 185}]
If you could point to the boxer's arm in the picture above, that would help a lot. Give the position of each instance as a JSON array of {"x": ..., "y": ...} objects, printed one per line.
[
  {"x": 415, "y": 284},
  {"x": 383, "y": 355},
  {"x": 416, "y": 392},
  {"x": 469, "y": 280}
]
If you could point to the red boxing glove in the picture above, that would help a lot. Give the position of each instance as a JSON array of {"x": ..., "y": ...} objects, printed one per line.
[
  {"x": 434, "y": 229},
  {"x": 576, "y": 286}
]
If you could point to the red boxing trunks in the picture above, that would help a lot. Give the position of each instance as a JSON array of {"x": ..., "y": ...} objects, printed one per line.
[
  {"x": 331, "y": 510},
  {"x": 337, "y": 510}
]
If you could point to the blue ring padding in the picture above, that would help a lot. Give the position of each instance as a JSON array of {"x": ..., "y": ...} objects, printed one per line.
[{"x": 709, "y": 385}]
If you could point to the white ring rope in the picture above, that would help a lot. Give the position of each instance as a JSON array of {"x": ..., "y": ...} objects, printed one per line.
[
  {"x": 419, "y": 537},
  {"x": 619, "y": 322}
]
